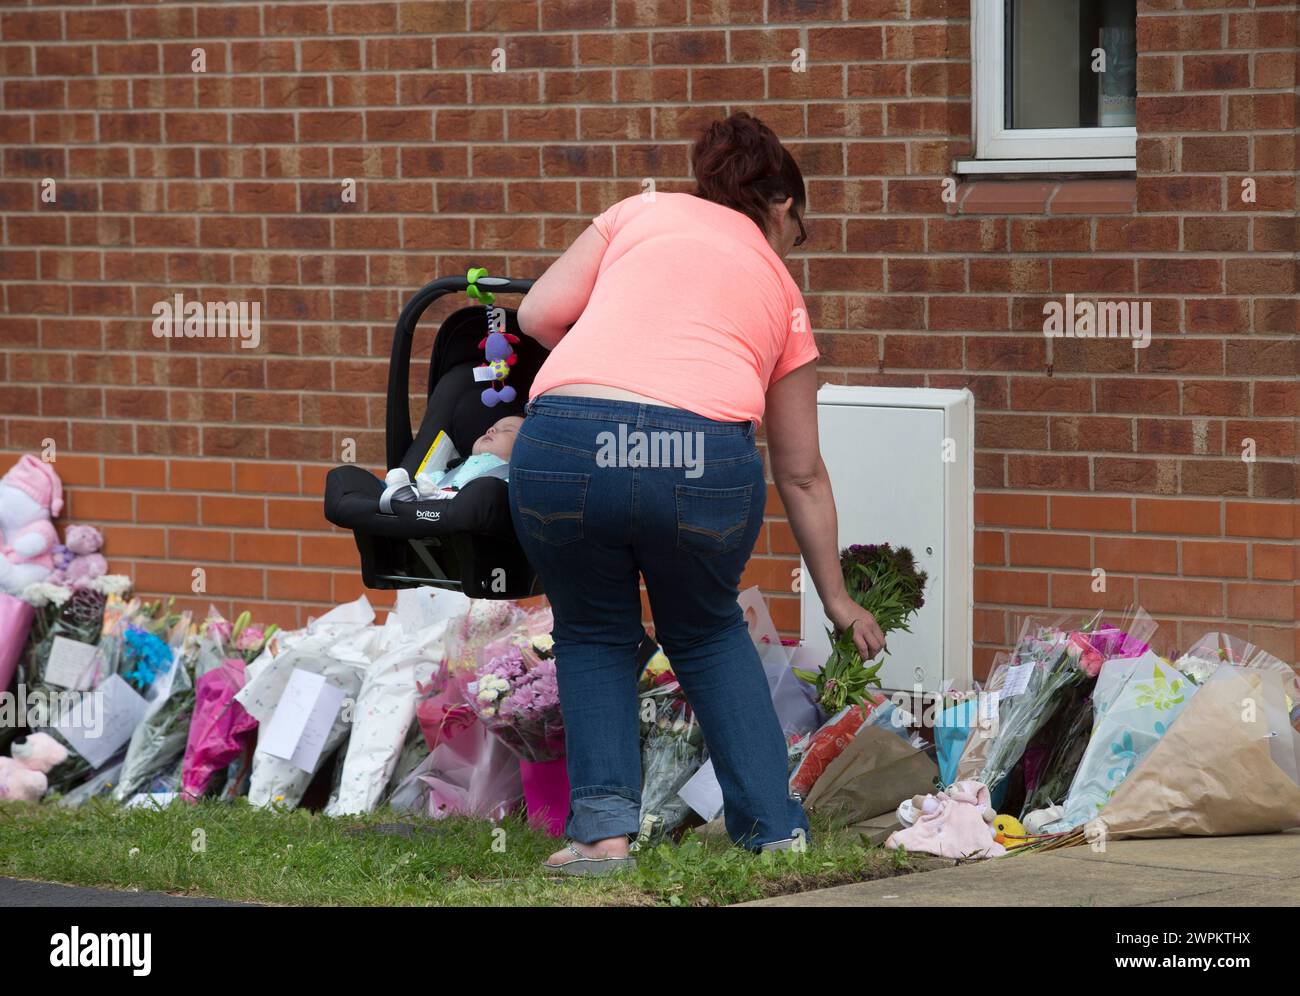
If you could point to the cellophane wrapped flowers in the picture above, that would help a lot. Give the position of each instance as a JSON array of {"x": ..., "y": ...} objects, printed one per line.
[
  {"x": 158, "y": 743},
  {"x": 515, "y": 693},
  {"x": 140, "y": 643},
  {"x": 672, "y": 750},
  {"x": 243, "y": 639},
  {"x": 1049, "y": 661},
  {"x": 73, "y": 614}
]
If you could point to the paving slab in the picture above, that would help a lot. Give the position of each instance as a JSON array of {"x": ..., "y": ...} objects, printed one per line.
[
  {"x": 1256, "y": 892},
  {"x": 1275, "y": 855},
  {"x": 1217, "y": 871}
]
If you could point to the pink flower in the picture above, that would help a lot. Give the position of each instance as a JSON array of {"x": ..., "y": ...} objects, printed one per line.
[
  {"x": 534, "y": 693},
  {"x": 250, "y": 638},
  {"x": 1088, "y": 660},
  {"x": 218, "y": 630}
]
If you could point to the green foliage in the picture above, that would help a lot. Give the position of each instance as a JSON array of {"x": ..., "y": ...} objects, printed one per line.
[
  {"x": 845, "y": 677},
  {"x": 885, "y": 582}
]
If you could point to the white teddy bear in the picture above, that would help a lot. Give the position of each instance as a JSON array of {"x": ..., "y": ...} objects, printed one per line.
[{"x": 30, "y": 495}]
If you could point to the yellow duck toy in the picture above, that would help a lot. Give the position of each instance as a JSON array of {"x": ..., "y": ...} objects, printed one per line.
[{"x": 1009, "y": 832}]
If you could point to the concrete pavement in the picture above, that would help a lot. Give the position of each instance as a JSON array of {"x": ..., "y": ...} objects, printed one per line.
[{"x": 1181, "y": 871}]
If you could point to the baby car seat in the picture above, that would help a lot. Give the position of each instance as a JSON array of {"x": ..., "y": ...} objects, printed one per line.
[{"x": 466, "y": 543}]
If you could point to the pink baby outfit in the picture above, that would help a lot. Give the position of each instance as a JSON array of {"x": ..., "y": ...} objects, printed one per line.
[
  {"x": 956, "y": 828},
  {"x": 691, "y": 305}
]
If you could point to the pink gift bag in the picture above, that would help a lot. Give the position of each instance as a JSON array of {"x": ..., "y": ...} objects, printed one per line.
[
  {"x": 546, "y": 791},
  {"x": 15, "y": 622}
]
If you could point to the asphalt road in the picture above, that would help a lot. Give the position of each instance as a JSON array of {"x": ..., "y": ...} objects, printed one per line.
[{"x": 18, "y": 892}]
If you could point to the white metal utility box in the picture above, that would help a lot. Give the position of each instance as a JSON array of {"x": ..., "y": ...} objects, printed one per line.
[{"x": 901, "y": 464}]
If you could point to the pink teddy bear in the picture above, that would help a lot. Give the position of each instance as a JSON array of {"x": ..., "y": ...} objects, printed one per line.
[
  {"x": 87, "y": 563},
  {"x": 22, "y": 777}
]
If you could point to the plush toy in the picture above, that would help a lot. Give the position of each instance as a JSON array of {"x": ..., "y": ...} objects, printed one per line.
[
  {"x": 84, "y": 543},
  {"x": 1009, "y": 832},
  {"x": 22, "y": 777},
  {"x": 497, "y": 346},
  {"x": 62, "y": 558},
  {"x": 30, "y": 495},
  {"x": 501, "y": 357}
]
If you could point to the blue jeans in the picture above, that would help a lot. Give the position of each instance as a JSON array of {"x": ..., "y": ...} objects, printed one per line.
[{"x": 591, "y": 511}]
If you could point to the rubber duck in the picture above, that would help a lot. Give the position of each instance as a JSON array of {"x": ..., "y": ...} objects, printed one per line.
[{"x": 1009, "y": 832}]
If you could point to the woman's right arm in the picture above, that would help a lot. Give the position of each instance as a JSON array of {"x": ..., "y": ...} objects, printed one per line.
[
  {"x": 560, "y": 295},
  {"x": 805, "y": 489}
]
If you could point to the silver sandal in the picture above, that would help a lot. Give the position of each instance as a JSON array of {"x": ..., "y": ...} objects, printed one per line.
[{"x": 584, "y": 865}]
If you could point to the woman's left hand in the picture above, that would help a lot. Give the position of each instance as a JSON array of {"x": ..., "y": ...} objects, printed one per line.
[{"x": 866, "y": 633}]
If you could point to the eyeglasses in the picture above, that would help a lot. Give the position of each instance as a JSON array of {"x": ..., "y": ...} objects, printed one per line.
[{"x": 803, "y": 236}]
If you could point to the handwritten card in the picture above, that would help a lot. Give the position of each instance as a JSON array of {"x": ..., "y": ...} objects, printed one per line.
[
  {"x": 68, "y": 662},
  {"x": 1018, "y": 676},
  {"x": 100, "y": 723},
  {"x": 302, "y": 720}
]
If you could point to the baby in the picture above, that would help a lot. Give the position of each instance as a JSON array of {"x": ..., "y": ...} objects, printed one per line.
[{"x": 489, "y": 457}]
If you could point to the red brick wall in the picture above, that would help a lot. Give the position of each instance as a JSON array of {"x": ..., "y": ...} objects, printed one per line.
[{"x": 225, "y": 186}]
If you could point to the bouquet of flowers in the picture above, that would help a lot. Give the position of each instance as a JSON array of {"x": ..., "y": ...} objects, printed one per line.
[
  {"x": 845, "y": 679},
  {"x": 1215, "y": 649},
  {"x": 1039, "y": 670},
  {"x": 140, "y": 643},
  {"x": 244, "y": 639},
  {"x": 158, "y": 743},
  {"x": 1064, "y": 741},
  {"x": 487, "y": 621},
  {"x": 74, "y": 615},
  {"x": 515, "y": 694},
  {"x": 810, "y": 755},
  {"x": 1134, "y": 705},
  {"x": 145, "y": 657},
  {"x": 887, "y": 583},
  {"x": 57, "y": 611},
  {"x": 1049, "y": 661},
  {"x": 672, "y": 750},
  {"x": 220, "y": 731}
]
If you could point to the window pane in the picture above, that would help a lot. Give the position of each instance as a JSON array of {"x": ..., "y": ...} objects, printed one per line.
[{"x": 1053, "y": 77}]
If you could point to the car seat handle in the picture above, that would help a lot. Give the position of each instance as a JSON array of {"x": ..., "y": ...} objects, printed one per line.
[{"x": 399, "y": 436}]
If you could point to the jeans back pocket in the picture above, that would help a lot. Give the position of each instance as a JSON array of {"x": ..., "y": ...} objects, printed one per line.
[
  {"x": 550, "y": 503},
  {"x": 712, "y": 521}
]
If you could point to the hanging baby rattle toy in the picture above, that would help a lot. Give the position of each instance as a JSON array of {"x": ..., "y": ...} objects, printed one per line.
[{"x": 498, "y": 346}]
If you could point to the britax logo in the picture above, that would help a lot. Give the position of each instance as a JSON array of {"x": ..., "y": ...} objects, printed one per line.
[{"x": 432, "y": 516}]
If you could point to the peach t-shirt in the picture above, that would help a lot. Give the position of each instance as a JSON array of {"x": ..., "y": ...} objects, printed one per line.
[{"x": 691, "y": 305}]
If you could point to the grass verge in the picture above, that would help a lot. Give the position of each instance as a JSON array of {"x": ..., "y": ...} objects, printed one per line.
[{"x": 300, "y": 858}]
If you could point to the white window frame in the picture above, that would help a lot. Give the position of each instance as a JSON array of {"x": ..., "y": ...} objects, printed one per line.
[{"x": 1002, "y": 149}]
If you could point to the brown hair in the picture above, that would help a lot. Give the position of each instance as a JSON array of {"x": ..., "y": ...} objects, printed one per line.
[{"x": 741, "y": 164}]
